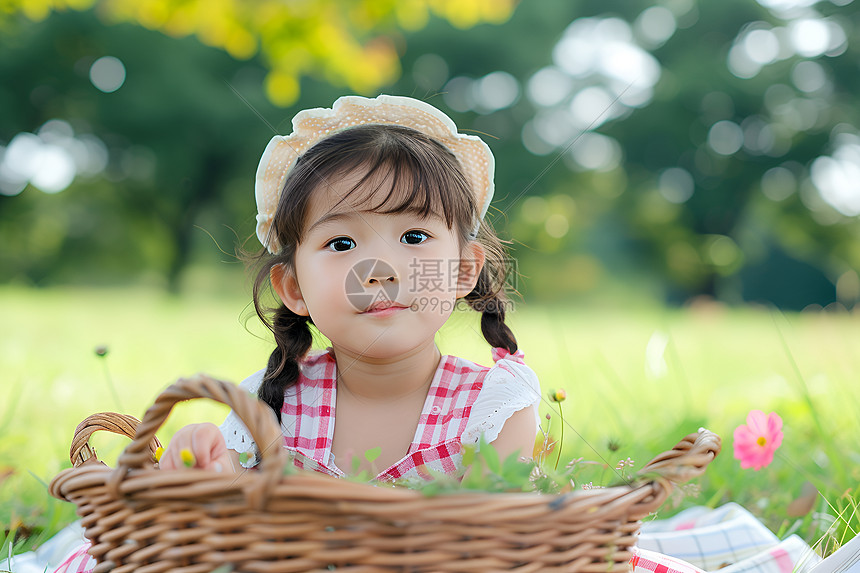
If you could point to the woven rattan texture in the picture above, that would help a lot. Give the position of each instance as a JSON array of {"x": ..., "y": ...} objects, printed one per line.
[{"x": 146, "y": 520}]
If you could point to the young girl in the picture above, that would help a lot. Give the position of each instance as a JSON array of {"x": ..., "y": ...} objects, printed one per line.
[{"x": 371, "y": 215}]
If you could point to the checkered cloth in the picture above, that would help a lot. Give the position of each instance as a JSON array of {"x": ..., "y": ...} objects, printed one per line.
[
  {"x": 728, "y": 538},
  {"x": 78, "y": 561},
  {"x": 446, "y": 420},
  {"x": 644, "y": 561}
]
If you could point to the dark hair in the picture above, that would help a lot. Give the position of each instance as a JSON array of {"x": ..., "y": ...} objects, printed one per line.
[{"x": 425, "y": 178}]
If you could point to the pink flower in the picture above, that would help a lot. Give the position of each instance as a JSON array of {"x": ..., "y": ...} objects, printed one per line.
[{"x": 756, "y": 442}]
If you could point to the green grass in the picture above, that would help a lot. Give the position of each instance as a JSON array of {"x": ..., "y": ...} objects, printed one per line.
[{"x": 637, "y": 381}]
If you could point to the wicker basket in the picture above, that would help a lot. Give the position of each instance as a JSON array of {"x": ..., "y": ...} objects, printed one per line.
[{"x": 146, "y": 520}]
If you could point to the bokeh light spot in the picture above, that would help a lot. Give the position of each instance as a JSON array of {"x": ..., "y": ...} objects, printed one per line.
[
  {"x": 762, "y": 46},
  {"x": 740, "y": 64},
  {"x": 592, "y": 107},
  {"x": 430, "y": 71},
  {"x": 50, "y": 159},
  {"x": 836, "y": 177},
  {"x": 810, "y": 37},
  {"x": 758, "y": 137},
  {"x": 458, "y": 94},
  {"x": 548, "y": 87},
  {"x": 282, "y": 88},
  {"x": 497, "y": 90},
  {"x": 808, "y": 76},
  {"x": 54, "y": 169},
  {"x": 778, "y": 183},
  {"x": 12, "y": 181},
  {"x": 19, "y": 158},
  {"x": 534, "y": 142},
  {"x": 596, "y": 152},
  {"x": 554, "y": 126},
  {"x": 725, "y": 137},
  {"x": 838, "y": 39},
  {"x": 848, "y": 288},
  {"x": 557, "y": 225},
  {"x": 107, "y": 74},
  {"x": 786, "y": 5},
  {"x": 676, "y": 185},
  {"x": 655, "y": 25},
  {"x": 535, "y": 209},
  {"x": 722, "y": 251}
]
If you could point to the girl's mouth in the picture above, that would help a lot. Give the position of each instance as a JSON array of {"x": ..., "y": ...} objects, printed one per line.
[{"x": 384, "y": 308}]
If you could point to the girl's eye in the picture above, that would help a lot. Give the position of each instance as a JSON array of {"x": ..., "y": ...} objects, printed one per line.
[
  {"x": 341, "y": 244},
  {"x": 414, "y": 237}
]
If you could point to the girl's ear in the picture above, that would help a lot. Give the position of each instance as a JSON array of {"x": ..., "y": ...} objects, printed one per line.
[
  {"x": 470, "y": 268},
  {"x": 287, "y": 288}
]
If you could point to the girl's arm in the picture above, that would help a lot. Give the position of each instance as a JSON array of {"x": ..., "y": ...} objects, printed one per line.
[
  {"x": 518, "y": 434},
  {"x": 207, "y": 447}
]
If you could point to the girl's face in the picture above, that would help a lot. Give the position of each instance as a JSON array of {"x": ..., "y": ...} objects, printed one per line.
[{"x": 377, "y": 285}]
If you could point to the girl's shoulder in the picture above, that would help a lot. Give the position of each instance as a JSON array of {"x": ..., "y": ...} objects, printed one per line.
[
  {"x": 508, "y": 387},
  {"x": 458, "y": 375},
  {"x": 508, "y": 369}
]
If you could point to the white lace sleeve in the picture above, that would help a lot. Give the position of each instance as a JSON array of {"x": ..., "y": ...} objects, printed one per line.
[
  {"x": 508, "y": 387},
  {"x": 236, "y": 435}
]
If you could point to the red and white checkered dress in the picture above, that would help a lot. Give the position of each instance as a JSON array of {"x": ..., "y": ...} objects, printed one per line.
[{"x": 465, "y": 400}]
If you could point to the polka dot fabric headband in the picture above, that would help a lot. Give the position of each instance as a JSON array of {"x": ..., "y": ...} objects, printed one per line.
[{"x": 312, "y": 125}]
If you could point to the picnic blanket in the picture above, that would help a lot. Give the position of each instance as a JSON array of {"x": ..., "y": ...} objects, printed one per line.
[{"x": 730, "y": 539}]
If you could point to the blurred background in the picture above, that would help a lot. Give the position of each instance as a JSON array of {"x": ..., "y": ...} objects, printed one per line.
[
  {"x": 672, "y": 151},
  {"x": 679, "y": 181}
]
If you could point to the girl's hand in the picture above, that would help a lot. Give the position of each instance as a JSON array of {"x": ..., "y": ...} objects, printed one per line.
[{"x": 206, "y": 446}]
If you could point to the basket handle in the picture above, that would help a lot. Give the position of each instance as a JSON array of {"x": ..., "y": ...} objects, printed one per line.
[
  {"x": 688, "y": 459},
  {"x": 81, "y": 452},
  {"x": 255, "y": 414}
]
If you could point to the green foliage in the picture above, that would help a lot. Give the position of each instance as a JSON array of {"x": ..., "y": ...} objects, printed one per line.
[
  {"x": 347, "y": 43},
  {"x": 487, "y": 472},
  {"x": 373, "y": 453},
  {"x": 360, "y": 475},
  {"x": 738, "y": 236},
  {"x": 484, "y": 471},
  {"x": 185, "y": 131},
  {"x": 622, "y": 401}
]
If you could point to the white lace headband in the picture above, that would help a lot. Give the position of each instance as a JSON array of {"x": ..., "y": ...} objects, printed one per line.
[{"x": 312, "y": 125}]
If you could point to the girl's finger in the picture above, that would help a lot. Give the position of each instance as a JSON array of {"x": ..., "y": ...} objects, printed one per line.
[
  {"x": 204, "y": 445},
  {"x": 171, "y": 459}
]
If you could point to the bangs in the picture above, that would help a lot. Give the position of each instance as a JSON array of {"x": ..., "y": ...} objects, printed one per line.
[
  {"x": 404, "y": 171},
  {"x": 394, "y": 188}
]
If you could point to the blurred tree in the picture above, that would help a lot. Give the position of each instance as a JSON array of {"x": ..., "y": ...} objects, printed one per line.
[
  {"x": 682, "y": 144},
  {"x": 173, "y": 135},
  {"x": 181, "y": 124},
  {"x": 352, "y": 43},
  {"x": 685, "y": 147}
]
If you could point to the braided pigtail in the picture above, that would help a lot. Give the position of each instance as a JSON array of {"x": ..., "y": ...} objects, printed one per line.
[
  {"x": 293, "y": 340},
  {"x": 490, "y": 301}
]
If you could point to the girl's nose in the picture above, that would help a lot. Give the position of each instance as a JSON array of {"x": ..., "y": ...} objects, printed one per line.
[
  {"x": 381, "y": 280},
  {"x": 381, "y": 273}
]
